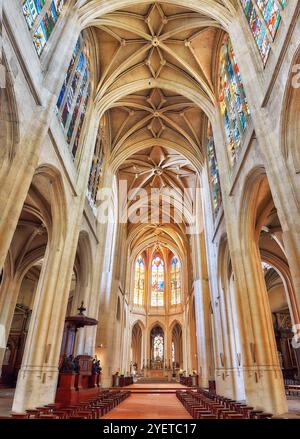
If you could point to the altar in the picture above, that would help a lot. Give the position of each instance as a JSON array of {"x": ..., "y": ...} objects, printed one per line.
[{"x": 156, "y": 373}]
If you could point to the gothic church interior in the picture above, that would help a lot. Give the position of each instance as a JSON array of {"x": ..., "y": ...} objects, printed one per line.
[{"x": 150, "y": 209}]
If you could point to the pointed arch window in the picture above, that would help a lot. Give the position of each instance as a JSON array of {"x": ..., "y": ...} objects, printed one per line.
[
  {"x": 213, "y": 172},
  {"x": 158, "y": 345},
  {"x": 264, "y": 17},
  {"x": 95, "y": 172},
  {"x": 139, "y": 282},
  {"x": 233, "y": 102},
  {"x": 158, "y": 282},
  {"x": 74, "y": 95},
  {"x": 173, "y": 353},
  {"x": 41, "y": 17},
  {"x": 175, "y": 281}
]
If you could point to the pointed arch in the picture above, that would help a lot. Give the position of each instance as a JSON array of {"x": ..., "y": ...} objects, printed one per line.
[
  {"x": 139, "y": 281},
  {"x": 157, "y": 280}
]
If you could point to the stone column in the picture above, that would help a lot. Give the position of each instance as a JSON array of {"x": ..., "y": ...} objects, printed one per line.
[
  {"x": 184, "y": 343},
  {"x": 14, "y": 190},
  {"x": 15, "y": 187},
  {"x": 262, "y": 375},
  {"x": 267, "y": 124},
  {"x": 108, "y": 292},
  {"x": 202, "y": 310},
  {"x": 233, "y": 383},
  {"x": 37, "y": 379}
]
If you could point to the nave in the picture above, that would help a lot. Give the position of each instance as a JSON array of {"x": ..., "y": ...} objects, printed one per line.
[{"x": 149, "y": 204}]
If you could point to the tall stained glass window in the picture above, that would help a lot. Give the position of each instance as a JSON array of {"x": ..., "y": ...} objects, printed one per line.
[
  {"x": 158, "y": 282},
  {"x": 74, "y": 95},
  {"x": 41, "y": 17},
  {"x": 233, "y": 102},
  {"x": 139, "y": 281},
  {"x": 158, "y": 346},
  {"x": 213, "y": 171},
  {"x": 175, "y": 281},
  {"x": 96, "y": 170},
  {"x": 173, "y": 353},
  {"x": 264, "y": 17}
]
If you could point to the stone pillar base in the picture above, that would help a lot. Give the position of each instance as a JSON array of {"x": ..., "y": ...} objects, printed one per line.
[
  {"x": 106, "y": 382},
  {"x": 230, "y": 383},
  {"x": 36, "y": 387},
  {"x": 264, "y": 389}
]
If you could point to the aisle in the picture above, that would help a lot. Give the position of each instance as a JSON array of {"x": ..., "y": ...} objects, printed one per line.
[{"x": 149, "y": 406}]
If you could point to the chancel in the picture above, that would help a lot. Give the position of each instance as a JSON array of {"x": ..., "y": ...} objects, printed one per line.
[{"x": 149, "y": 209}]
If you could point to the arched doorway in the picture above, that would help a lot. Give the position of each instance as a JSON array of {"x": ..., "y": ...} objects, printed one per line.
[{"x": 157, "y": 347}]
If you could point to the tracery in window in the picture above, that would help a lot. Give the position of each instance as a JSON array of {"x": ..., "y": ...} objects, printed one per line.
[
  {"x": 175, "y": 281},
  {"x": 233, "y": 102},
  {"x": 139, "y": 281},
  {"x": 264, "y": 17},
  {"x": 213, "y": 172},
  {"x": 158, "y": 345},
  {"x": 95, "y": 172},
  {"x": 41, "y": 19},
  {"x": 74, "y": 95},
  {"x": 158, "y": 282}
]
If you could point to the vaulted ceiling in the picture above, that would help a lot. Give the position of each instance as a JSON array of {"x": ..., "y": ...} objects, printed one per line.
[{"x": 158, "y": 79}]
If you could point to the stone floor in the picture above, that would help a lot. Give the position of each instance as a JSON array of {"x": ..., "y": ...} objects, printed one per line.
[
  {"x": 294, "y": 409},
  {"x": 149, "y": 406},
  {"x": 156, "y": 386},
  {"x": 6, "y": 400}
]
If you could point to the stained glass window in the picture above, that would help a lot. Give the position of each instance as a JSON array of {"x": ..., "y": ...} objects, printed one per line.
[
  {"x": 175, "y": 281},
  {"x": 74, "y": 95},
  {"x": 158, "y": 282},
  {"x": 213, "y": 171},
  {"x": 139, "y": 281},
  {"x": 41, "y": 17},
  {"x": 158, "y": 345},
  {"x": 264, "y": 17},
  {"x": 95, "y": 172},
  {"x": 233, "y": 102},
  {"x": 173, "y": 352}
]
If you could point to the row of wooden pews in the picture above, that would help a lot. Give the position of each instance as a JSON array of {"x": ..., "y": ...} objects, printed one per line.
[
  {"x": 202, "y": 404},
  {"x": 292, "y": 389},
  {"x": 93, "y": 408}
]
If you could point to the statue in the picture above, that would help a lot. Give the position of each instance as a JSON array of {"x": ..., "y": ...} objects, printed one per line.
[
  {"x": 76, "y": 365},
  {"x": 68, "y": 365},
  {"x": 96, "y": 368}
]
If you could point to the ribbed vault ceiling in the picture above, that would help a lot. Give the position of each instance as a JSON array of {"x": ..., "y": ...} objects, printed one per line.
[{"x": 155, "y": 57}]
